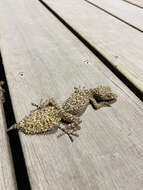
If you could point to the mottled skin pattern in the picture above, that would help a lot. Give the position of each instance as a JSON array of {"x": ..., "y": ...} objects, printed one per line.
[
  {"x": 46, "y": 118},
  {"x": 48, "y": 115},
  {"x": 77, "y": 103}
]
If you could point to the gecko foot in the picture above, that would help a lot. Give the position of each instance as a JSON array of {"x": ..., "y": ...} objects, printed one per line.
[{"x": 68, "y": 132}]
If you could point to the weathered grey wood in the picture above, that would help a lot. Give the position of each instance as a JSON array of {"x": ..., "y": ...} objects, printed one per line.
[
  {"x": 7, "y": 176},
  {"x": 138, "y": 3},
  {"x": 125, "y": 12},
  {"x": 43, "y": 59},
  {"x": 121, "y": 44}
]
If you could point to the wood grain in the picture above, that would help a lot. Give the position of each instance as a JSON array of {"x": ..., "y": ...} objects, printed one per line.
[
  {"x": 121, "y": 44},
  {"x": 123, "y": 11},
  {"x": 43, "y": 59},
  {"x": 7, "y": 176},
  {"x": 138, "y": 3}
]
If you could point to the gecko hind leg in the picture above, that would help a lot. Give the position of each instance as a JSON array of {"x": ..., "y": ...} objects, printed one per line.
[
  {"x": 67, "y": 132},
  {"x": 70, "y": 130}
]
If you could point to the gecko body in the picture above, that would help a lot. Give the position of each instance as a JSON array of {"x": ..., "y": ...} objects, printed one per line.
[
  {"x": 100, "y": 96},
  {"x": 46, "y": 118}
]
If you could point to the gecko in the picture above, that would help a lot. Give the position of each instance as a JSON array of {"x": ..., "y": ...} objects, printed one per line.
[
  {"x": 46, "y": 118},
  {"x": 77, "y": 103}
]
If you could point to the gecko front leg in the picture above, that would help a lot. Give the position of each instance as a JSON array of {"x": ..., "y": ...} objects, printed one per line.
[
  {"x": 67, "y": 117},
  {"x": 44, "y": 104},
  {"x": 97, "y": 105}
]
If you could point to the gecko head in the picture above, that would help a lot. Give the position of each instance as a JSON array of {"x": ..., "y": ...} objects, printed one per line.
[{"x": 104, "y": 93}]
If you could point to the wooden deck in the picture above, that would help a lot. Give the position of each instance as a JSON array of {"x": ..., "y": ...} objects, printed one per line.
[
  {"x": 47, "y": 48},
  {"x": 137, "y": 3}
]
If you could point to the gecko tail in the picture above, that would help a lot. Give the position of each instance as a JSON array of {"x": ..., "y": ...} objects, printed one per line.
[{"x": 12, "y": 127}]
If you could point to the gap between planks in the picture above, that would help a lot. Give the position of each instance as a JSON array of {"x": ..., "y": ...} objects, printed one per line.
[
  {"x": 7, "y": 175},
  {"x": 19, "y": 174},
  {"x": 136, "y": 3},
  {"x": 118, "y": 9},
  {"x": 133, "y": 84},
  {"x": 52, "y": 61}
]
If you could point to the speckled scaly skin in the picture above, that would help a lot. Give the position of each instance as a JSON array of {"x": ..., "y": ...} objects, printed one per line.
[
  {"x": 48, "y": 115},
  {"x": 46, "y": 118},
  {"x": 77, "y": 103}
]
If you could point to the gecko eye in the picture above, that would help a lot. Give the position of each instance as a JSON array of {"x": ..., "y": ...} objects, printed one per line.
[{"x": 109, "y": 96}]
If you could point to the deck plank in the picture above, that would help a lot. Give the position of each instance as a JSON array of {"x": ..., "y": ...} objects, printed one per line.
[
  {"x": 43, "y": 59},
  {"x": 138, "y": 3},
  {"x": 7, "y": 176},
  {"x": 121, "y": 10},
  {"x": 121, "y": 44}
]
